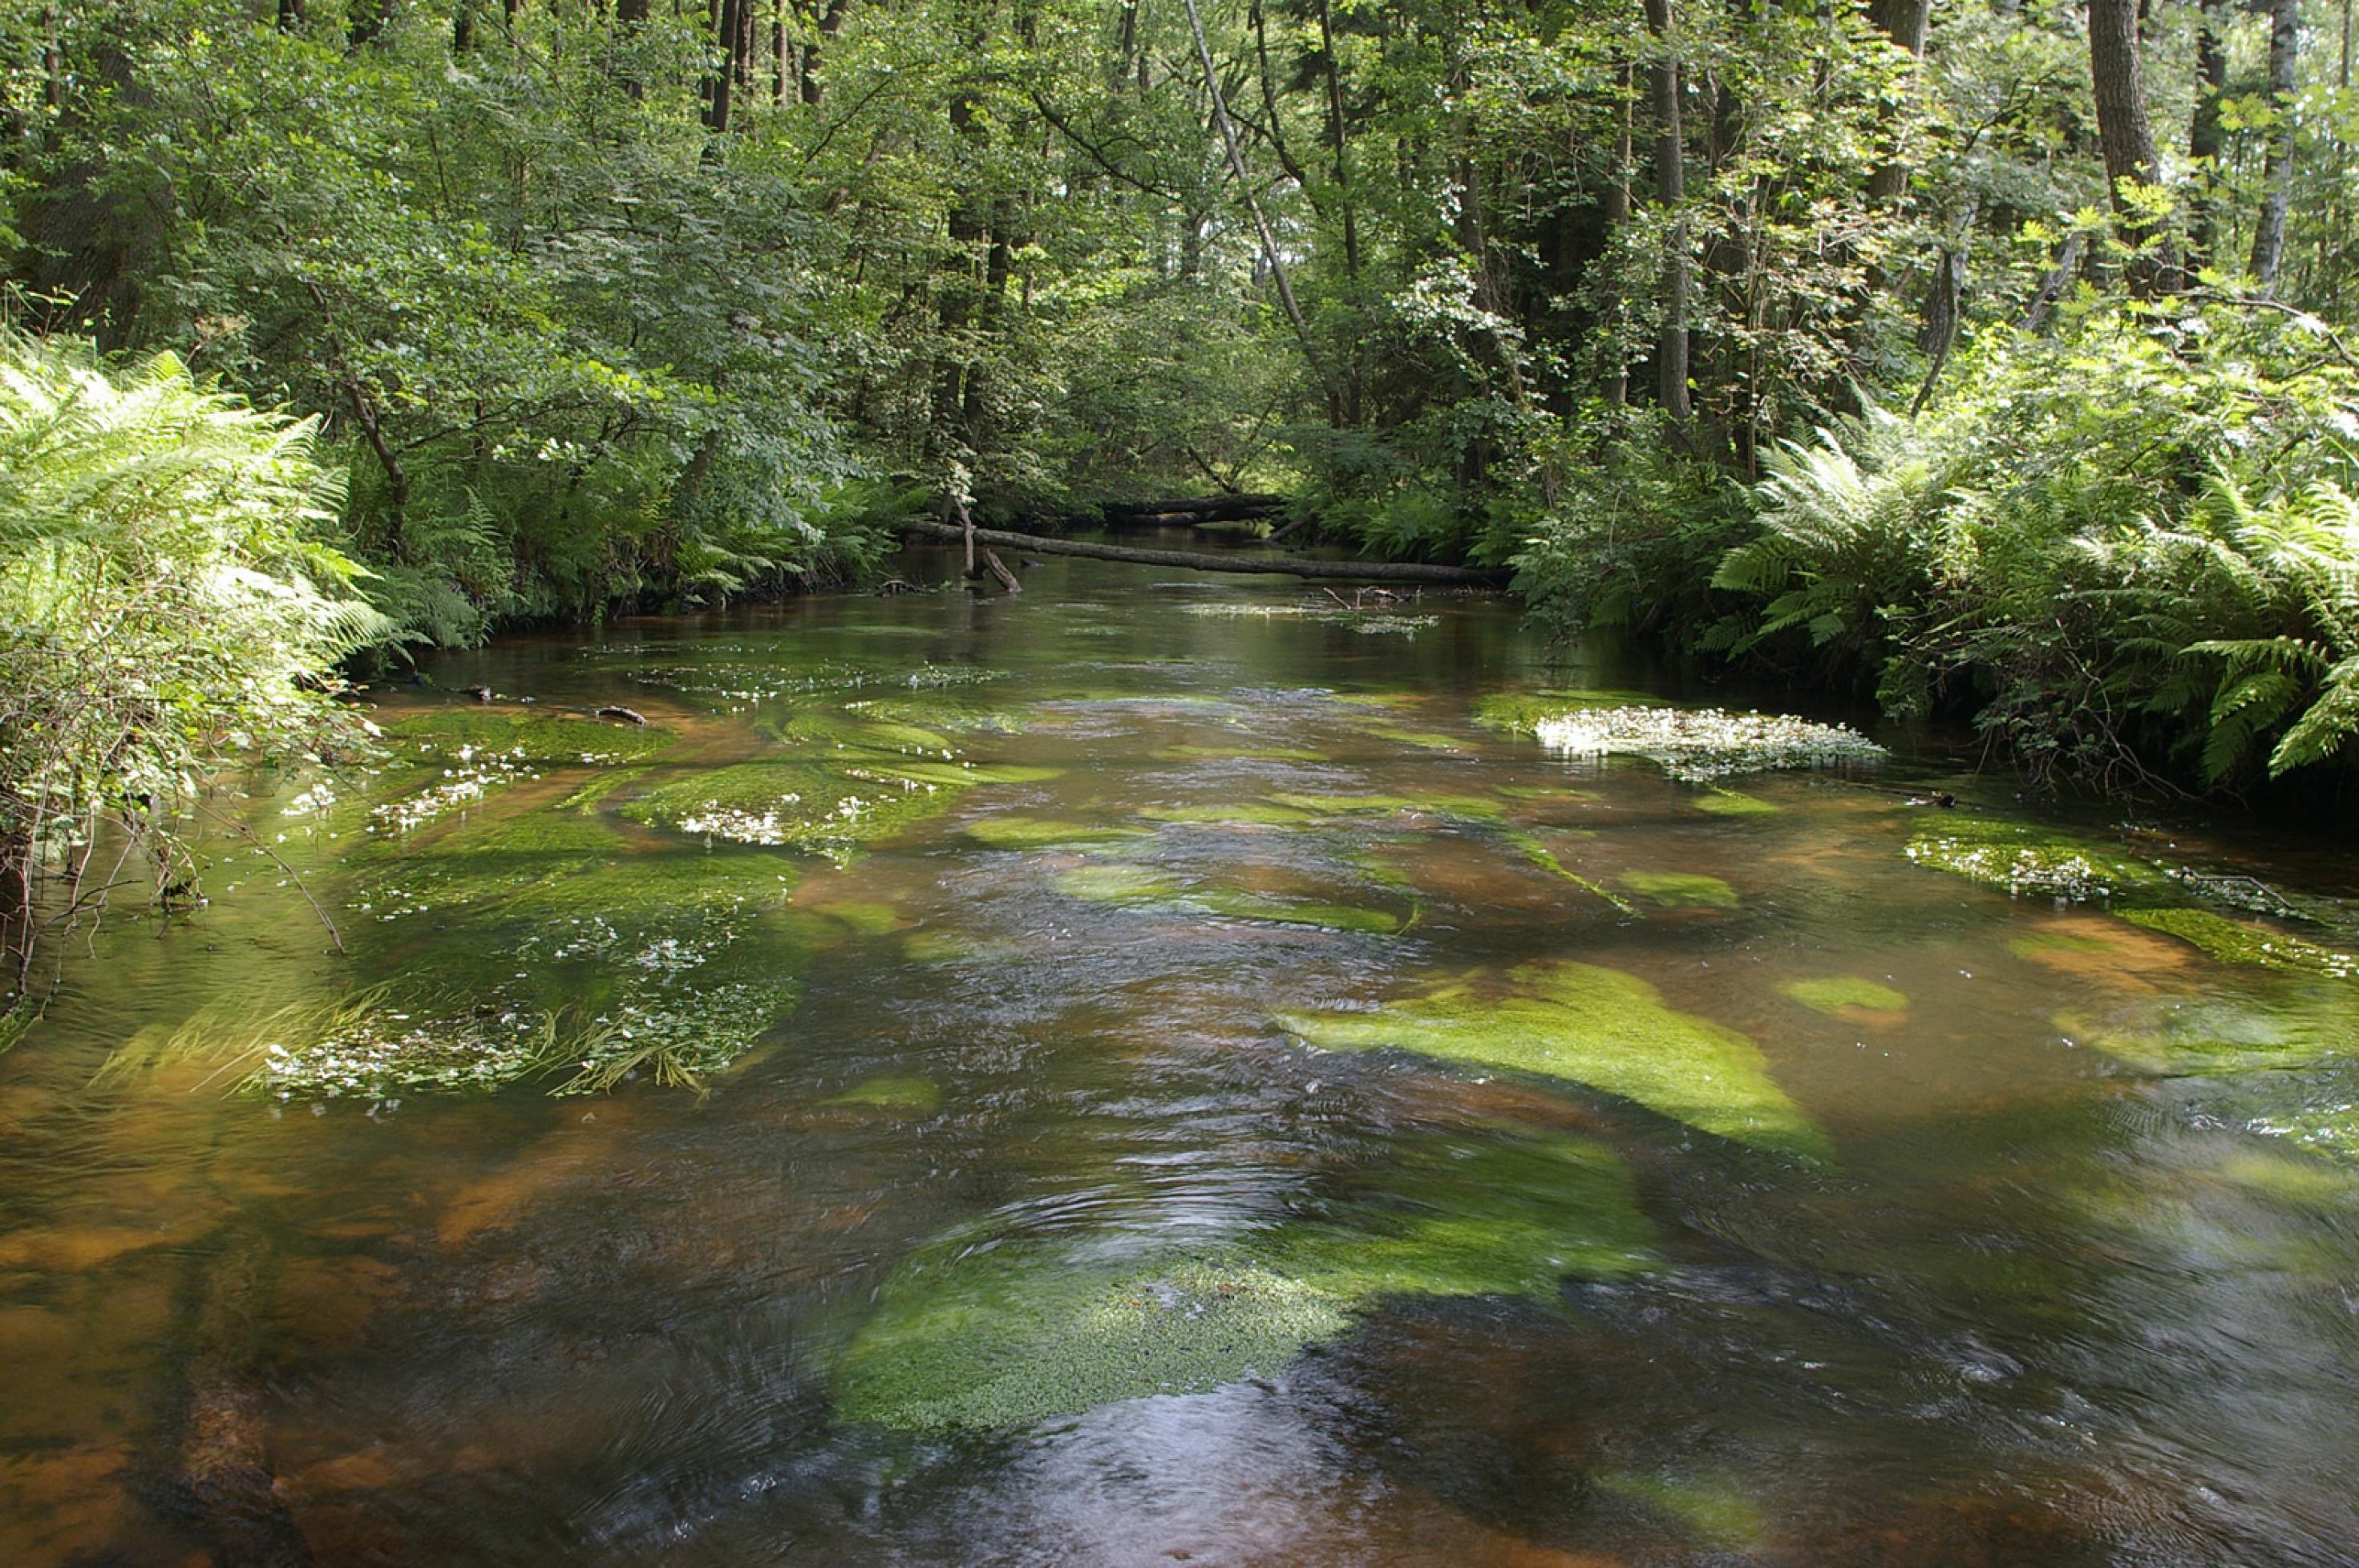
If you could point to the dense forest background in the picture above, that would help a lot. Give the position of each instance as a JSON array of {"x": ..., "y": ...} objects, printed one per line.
[{"x": 1985, "y": 355}]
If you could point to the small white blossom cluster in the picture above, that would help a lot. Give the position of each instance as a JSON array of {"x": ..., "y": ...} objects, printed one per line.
[
  {"x": 2074, "y": 878},
  {"x": 739, "y": 825},
  {"x": 478, "y": 774},
  {"x": 313, "y": 802},
  {"x": 1698, "y": 745},
  {"x": 384, "y": 1050}
]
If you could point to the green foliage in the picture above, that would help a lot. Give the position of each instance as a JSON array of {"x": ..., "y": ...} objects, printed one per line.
[
  {"x": 166, "y": 602},
  {"x": 2124, "y": 544}
]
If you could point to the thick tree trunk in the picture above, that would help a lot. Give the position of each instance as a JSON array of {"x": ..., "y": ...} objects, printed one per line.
[
  {"x": 2126, "y": 134},
  {"x": 1670, "y": 192},
  {"x": 2269, "y": 235}
]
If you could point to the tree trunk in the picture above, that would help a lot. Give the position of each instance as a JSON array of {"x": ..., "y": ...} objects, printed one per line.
[
  {"x": 2269, "y": 235},
  {"x": 735, "y": 74},
  {"x": 1670, "y": 192},
  {"x": 827, "y": 22},
  {"x": 1617, "y": 215},
  {"x": 2205, "y": 137},
  {"x": 1905, "y": 21},
  {"x": 2125, "y": 135}
]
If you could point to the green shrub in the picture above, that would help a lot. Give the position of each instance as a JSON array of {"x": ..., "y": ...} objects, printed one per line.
[{"x": 165, "y": 598}]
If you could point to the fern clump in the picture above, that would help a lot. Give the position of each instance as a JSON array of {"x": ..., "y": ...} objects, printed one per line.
[
  {"x": 2130, "y": 553},
  {"x": 167, "y": 601}
]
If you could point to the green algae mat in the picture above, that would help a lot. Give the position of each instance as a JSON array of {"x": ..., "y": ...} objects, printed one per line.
[
  {"x": 1586, "y": 1024},
  {"x": 980, "y": 1330}
]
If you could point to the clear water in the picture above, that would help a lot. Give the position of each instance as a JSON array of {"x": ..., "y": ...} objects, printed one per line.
[{"x": 2057, "y": 1263}]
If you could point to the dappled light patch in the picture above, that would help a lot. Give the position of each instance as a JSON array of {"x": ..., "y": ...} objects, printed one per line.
[
  {"x": 1601, "y": 1028},
  {"x": 1838, "y": 994},
  {"x": 1699, "y": 745},
  {"x": 1681, "y": 890},
  {"x": 2034, "y": 859}
]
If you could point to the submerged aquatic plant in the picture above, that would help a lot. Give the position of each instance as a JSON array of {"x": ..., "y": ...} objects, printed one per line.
[
  {"x": 1712, "y": 1510},
  {"x": 1014, "y": 1334},
  {"x": 1699, "y": 745},
  {"x": 1521, "y": 712},
  {"x": 2032, "y": 857},
  {"x": 984, "y": 1330},
  {"x": 1681, "y": 890},
  {"x": 1840, "y": 993},
  {"x": 1040, "y": 833},
  {"x": 906, "y": 1092},
  {"x": 1143, "y": 887},
  {"x": 2294, "y": 1027},
  {"x": 535, "y": 736},
  {"x": 1735, "y": 803},
  {"x": 375, "y": 1043},
  {"x": 2245, "y": 942},
  {"x": 1591, "y": 1025}
]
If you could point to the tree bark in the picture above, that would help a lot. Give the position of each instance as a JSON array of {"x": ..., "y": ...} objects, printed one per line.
[
  {"x": 1905, "y": 21},
  {"x": 2205, "y": 137},
  {"x": 1617, "y": 216},
  {"x": 2269, "y": 235},
  {"x": 1670, "y": 192},
  {"x": 2126, "y": 134}
]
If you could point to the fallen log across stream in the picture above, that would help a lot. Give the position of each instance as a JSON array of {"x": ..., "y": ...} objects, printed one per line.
[{"x": 1207, "y": 561}]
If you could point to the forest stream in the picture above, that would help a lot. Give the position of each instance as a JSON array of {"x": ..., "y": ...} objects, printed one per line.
[{"x": 1149, "y": 1070}]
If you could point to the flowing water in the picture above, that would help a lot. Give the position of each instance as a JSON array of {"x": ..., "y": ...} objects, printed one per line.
[{"x": 1138, "y": 1073}]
